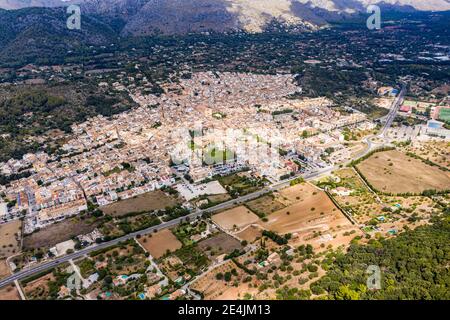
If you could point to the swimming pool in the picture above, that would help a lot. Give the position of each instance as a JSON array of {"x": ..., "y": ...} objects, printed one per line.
[{"x": 434, "y": 125}]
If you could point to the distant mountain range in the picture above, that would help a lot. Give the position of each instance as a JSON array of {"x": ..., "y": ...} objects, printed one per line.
[
  {"x": 20, "y": 4},
  {"x": 142, "y": 17},
  {"x": 32, "y": 29}
]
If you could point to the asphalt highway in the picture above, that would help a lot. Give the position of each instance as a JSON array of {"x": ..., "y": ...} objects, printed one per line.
[{"x": 393, "y": 112}]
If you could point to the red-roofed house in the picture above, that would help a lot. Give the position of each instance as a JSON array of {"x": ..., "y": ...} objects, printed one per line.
[{"x": 405, "y": 108}]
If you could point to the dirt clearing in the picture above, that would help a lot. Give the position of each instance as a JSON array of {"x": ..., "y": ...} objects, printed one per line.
[
  {"x": 250, "y": 234},
  {"x": 58, "y": 232},
  {"x": 238, "y": 217},
  {"x": 395, "y": 172},
  {"x": 219, "y": 244},
  {"x": 160, "y": 242},
  {"x": 4, "y": 269},
  {"x": 150, "y": 201},
  {"x": 10, "y": 234},
  {"x": 265, "y": 205},
  {"x": 9, "y": 293}
]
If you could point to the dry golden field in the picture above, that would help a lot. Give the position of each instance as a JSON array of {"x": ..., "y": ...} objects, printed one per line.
[
  {"x": 312, "y": 218},
  {"x": 238, "y": 217},
  {"x": 9, "y": 238},
  {"x": 395, "y": 172},
  {"x": 158, "y": 243},
  {"x": 9, "y": 293},
  {"x": 146, "y": 202}
]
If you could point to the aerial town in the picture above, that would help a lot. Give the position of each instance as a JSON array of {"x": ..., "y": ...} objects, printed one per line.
[
  {"x": 232, "y": 158},
  {"x": 230, "y": 166}
]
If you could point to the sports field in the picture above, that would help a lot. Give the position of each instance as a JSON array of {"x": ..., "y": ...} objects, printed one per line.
[{"x": 444, "y": 114}]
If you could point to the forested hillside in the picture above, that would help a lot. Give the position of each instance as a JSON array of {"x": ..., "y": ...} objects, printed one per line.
[
  {"x": 414, "y": 265},
  {"x": 27, "y": 114}
]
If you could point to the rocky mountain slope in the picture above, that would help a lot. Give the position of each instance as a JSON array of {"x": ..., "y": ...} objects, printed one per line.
[
  {"x": 32, "y": 30},
  {"x": 142, "y": 17},
  {"x": 43, "y": 31},
  {"x": 19, "y": 4}
]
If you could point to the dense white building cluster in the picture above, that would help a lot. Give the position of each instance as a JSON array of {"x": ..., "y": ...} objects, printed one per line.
[{"x": 107, "y": 159}]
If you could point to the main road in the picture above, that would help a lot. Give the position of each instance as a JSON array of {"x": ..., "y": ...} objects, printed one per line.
[
  {"x": 225, "y": 205},
  {"x": 393, "y": 112}
]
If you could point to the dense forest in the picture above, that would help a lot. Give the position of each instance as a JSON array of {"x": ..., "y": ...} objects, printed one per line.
[{"x": 414, "y": 265}]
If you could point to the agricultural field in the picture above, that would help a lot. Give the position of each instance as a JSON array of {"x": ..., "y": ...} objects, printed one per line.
[
  {"x": 136, "y": 222},
  {"x": 59, "y": 232},
  {"x": 434, "y": 151},
  {"x": 10, "y": 234},
  {"x": 39, "y": 289},
  {"x": 236, "y": 218},
  {"x": 308, "y": 203},
  {"x": 265, "y": 205},
  {"x": 313, "y": 219},
  {"x": 47, "y": 285},
  {"x": 193, "y": 258},
  {"x": 150, "y": 201},
  {"x": 395, "y": 172},
  {"x": 219, "y": 244},
  {"x": 286, "y": 275},
  {"x": 294, "y": 194},
  {"x": 186, "y": 262},
  {"x": 270, "y": 272},
  {"x": 353, "y": 195},
  {"x": 172, "y": 266},
  {"x": 224, "y": 288},
  {"x": 250, "y": 233},
  {"x": 160, "y": 243},
  {"x": 9, "y": 292},
  {"x": 125, "y": 258},
  {"x": 383, "y": 215}
]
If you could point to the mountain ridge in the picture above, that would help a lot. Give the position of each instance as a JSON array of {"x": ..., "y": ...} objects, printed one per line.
[
  {"x": 42, "y": 28},
  {"x": 144, "y": 17}
]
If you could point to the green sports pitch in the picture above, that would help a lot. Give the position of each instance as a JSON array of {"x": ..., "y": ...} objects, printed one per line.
[{"x": 444, "y": 114}]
